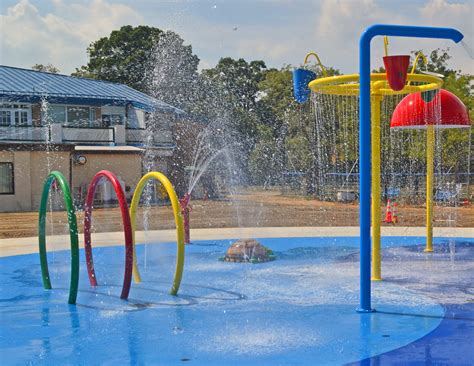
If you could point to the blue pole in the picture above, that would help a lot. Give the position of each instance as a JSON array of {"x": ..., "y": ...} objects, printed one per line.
[{"x": 364, "y": 135}]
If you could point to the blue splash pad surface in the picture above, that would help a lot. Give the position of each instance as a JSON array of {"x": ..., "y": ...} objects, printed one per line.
[{"x": 298, "y": 310}]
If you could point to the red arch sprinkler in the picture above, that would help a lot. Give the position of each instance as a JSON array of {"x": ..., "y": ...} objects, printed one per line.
[{"x": 126, "y": 228}]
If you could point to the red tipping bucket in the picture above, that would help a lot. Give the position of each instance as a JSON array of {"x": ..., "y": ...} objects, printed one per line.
[{"x": 396, "y": 67}]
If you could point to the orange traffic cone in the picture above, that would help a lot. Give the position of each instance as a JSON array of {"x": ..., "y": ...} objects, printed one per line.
[
  {"x": 395, "y": 213},
  {"x": 388, "y": 213}
]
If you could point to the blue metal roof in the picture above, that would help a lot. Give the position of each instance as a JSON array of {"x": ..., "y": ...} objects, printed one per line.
[{"x": 25, "y": 85}]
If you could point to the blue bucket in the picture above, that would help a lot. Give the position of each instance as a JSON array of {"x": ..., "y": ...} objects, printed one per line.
[{"x": 301, "y": 78}]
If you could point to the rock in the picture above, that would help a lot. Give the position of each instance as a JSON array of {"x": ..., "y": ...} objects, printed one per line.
[{"x": 248, "y": 250}]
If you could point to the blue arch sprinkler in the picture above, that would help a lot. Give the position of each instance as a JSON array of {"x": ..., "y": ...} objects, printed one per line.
[{"x": 364, "y": 135}]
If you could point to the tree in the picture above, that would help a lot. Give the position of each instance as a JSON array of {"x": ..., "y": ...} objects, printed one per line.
[
  {"x": 276, "y": 94},
  {"x": 241, "y": 79},
  {"x": 238, "y": 80},
  {"x": 235, "y": 87},
  {"x": 45, "y": 68},
  {"x": 171, "y": 74},
  {"x": 437, "y": 61},
  {"x": 121, "y": 57},
  {"x": 265, "y": 159}
]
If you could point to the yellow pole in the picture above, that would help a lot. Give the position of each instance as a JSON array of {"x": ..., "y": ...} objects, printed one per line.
[
  {"x": 323, "y": 69},
  {"x": 430, "y": 141},
  {"x": 376, "y": 199},
  {"x": 415, "y": 63},
  {"x": 178, "y": 220}
]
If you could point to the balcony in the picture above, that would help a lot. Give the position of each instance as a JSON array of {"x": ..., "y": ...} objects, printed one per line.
[
  {"x": 90, "y": 135},
  {"x": 23, "y": 134},
  {"x": 140, "y": 136},
  {"x": 58, "y": 134}
]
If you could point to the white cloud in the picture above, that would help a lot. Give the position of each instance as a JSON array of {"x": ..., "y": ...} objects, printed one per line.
[
  {"x": 441, "y": 9},
  {"x": 330, "y": 27},
  {"x": 340, "y": 23},
  {"x": 61, "y": 36},
  {"x": 261, "y": 48},
  {"x": 455, "y": 14}
]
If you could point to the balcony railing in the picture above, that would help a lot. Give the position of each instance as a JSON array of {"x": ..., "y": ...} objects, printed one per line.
[
  {"x": 88, "y": 135},
  {"x": 58, "y": 134},
  {"x": 140, "y": 136},
  {"x": 24, "y": 134}
]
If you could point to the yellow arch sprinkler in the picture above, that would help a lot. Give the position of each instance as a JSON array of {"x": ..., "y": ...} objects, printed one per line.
[{"x": 178, "y": 220}]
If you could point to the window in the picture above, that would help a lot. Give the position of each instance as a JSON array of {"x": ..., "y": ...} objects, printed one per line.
[
  {"x": 6, "y": 179},
  {"x": 57, "y": 113},
  {"x": 113, "y": 115},
  {"x": 5, "y": 118},
  {"x": 112, "y": 119},
  {"x": 21, "y": 118},
  {"x": 15, "y": 115},
  {"x": 78, "y": 116}
]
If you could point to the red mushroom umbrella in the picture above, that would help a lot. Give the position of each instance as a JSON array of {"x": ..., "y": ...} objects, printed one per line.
[
  {"x": 444, "y": 110},
  {"x": 414, "y": 112}
]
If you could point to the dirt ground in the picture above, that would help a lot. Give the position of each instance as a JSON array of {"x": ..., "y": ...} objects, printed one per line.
[{"x": 253, "y": 208}]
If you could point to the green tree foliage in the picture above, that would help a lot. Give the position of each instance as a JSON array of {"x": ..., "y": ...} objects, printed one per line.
[
  {"x": 238, "y": 82},
  {"x": 276, "y": 93},
  {"x": 265, "y": 159},
  {"x": 240, "y": 79},
  {"x": 122, "y": 57},
  {"x": 299, "y": 154},
  {"x": 45, "y": 68},
  {"x": 232, "y": 97},
  {"x": 275, "y": 133},
  {"x": 171, "y": 72}
]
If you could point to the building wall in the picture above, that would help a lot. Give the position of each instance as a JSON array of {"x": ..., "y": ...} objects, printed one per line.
[
  {"x": 127, "y": 167},
  {"x": 21, "y": 200},
  {"x": 30, "y": 168},
  {"x": 41, "y": 164}
]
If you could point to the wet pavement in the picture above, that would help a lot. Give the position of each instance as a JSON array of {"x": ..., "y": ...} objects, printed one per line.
[{"x": 298, "y": 309}]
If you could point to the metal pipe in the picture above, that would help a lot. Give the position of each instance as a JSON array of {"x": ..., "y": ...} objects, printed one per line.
[
  {"x": 364, "y": 135},
  {"x": 415, "y": 63},
  {"x": 430, "y": 141},
  {"x": 323, "y": 69},
  {"x": 375, "y": 136}
]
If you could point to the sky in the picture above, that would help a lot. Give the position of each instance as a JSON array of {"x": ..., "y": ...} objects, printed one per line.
[{"x": 279, "y": 32}]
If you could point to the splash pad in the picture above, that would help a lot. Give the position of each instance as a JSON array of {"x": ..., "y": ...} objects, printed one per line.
[
  {"x": 282, "y": 312},
  {"x": 217, "y": 316}
]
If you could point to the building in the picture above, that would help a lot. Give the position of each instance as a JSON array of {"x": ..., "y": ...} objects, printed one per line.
[{"x": 77, "y": 126}]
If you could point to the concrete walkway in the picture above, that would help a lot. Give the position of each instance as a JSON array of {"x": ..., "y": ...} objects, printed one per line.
[{"x": 17, "y": 246}]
